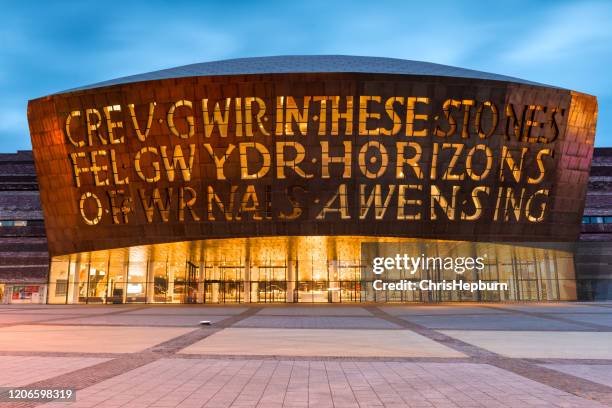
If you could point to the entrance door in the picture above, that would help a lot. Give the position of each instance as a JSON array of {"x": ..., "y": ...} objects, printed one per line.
[
  {"x": 269, "y": 291},
  {"x": 191, "y": 283},
  {"x": 313, "y": 292},
  {"x": 271, "y": 286}
]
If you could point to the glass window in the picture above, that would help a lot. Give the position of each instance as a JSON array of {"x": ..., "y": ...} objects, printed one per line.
[
  {"x": 83, "y": 276},
  {"x": 586, "y": 220},
  {"x": 98, "y": 280},
  {"x": 136, "y": 283},
  {"x": 13, "y": 223},
  {"x": 58, "y": 280},
  {"x": 608, "y": 220}
]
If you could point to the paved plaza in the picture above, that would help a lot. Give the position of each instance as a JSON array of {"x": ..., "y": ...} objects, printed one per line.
[{"x": 366, "y": 355}]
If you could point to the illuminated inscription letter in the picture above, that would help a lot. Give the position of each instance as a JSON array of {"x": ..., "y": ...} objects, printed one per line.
[
  {"x": 121, "y": 206},
  {"x": 382, "y": 151},
  {"x": 326, "y": 159},
  {"x": 150, "y": 203},
  {"x": 448, "y": 174},
  {"x": 188, "y": 118},
  {"x": 554, "y": 125},
  {"x": 96, "y": 168},
  {"x": 322, "y": 100},
  {"x": 212, "y": 197},
  {"x": 412, "y": 117},
  {"x": 413, "y": 162},
  {"x": 244, "y": 161},
  {"x": 261, "y": 112},
  {"x": 477, "y": 204},
  {"x": 142, "y": 136},
  {"x": 365, "y": 115},
  {"x": 82, "y": 203},
  {"x": 154, "y": 164},
  {"x": 514, "y": 126},
  {"x": 448, "y": 115},
  {"x": 375, "y": 197},
  {"x": 541, "y": 167},
  {"x": 393, "y": 115},
  {"x": 92, "y": 168},
  {"x": 76, "y": 169},
  {"x": 293, "y": 114},
  {"x": 280, "y": 116},
  {"x": 467, "y": 107},
  {"x": 346, "y": 116},
  {"x": 494, "y": 119},
  {"x": 469, "y": 169},
  {"x": 249, "y": 204},
  {"x": 218, "y": 118},
  {"x": 296, "y": 210},
  {"x": 532, "y": 121},
  {"x": 402, "y": 202},
  {"x": 219, "y": 161},
  {"x": 342, "y": 208},
  {"x": 93, "y": 126},
  {"x": 442, "y": 202},
  {"x": 187, "y": 203},
  {"x": 282, "y": 162},
  {"x": 111, "y": 124},
  {"x": 543, "y": 195},
  {"x": 118, "y": 181},
  {"x": 178, "y": 160},
  {"x": 512, "y": 205},
  {"x": 73, "y": 114},
  {"x": 515, "y": 168}
]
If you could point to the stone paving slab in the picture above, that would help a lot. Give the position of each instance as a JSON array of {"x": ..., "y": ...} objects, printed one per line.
[
  {"x": 20, "y": 318},
  {"x": 494, "y": 322},
  {"x": 84, "y": 339},
  {"x": 314, "y": 310},
  {"x": 552, "y": 308},
  {"x": 603, "y": 319},
  {"x": 185, "y": 310},
  {"x": 188, "y": 320},
  {"x": 320, "y": 342},
  {"x": 599, "y": 373},
  {"x": 269, "y": 383},
  {"x": 411, "y": 310},
  {"x": 66, "y": 309},
  {"x": 539, "y": 344},
  {"x": 16, "y": 371},
  {"x": 311, "y": 322}
]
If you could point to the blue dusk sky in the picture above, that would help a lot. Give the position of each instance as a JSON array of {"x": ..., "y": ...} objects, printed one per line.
[{"x": 51, "y": 46}]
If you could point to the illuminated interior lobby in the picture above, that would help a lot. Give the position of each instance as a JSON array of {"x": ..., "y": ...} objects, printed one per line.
[{"x": 299, "y": 269}]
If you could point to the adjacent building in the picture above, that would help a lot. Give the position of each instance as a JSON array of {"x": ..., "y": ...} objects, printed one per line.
[
  {"x": 24, "y": 256},
  {"x": 594, "y": 252}
]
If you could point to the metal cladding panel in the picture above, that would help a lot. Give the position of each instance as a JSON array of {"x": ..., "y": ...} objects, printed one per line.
[{"x": 199, "y": 157}]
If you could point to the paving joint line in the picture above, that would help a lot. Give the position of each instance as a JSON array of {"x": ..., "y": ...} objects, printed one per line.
[
  {"x": 544, "y": 315},
  {"x": 120, "y": 364},
  {"x": 88, "y": 376},
  {"x": 562, "y": 381},
  {"x": 74, "y": 317}
]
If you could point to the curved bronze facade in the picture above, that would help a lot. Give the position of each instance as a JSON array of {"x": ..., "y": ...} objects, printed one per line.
[
  {"x": 270, "y": 179},
  {"x": 203, "y": 157}
]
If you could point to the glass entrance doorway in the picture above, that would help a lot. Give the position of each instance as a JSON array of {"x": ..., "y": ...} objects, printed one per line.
[{"x": 311, "y": 269}]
